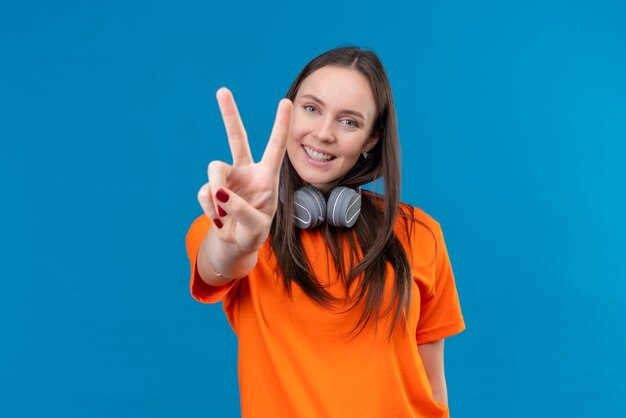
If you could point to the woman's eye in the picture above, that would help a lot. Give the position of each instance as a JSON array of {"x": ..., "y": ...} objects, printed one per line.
[
  {"x": 309, "y": 108},
  {"x": 351, "y": 123}
]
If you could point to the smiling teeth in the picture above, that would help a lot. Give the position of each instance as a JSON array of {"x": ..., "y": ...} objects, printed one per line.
[{"x": 318, "y": 155}]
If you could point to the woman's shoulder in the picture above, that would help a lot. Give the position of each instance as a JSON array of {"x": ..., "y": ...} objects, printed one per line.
[
  {"x": 412, "y": 214},
  {"x": 411, "y": 221},
  {"x": 415, "y": 224}
]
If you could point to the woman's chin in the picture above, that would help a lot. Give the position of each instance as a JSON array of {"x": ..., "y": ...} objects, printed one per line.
[{"x": 317, "y": 184}]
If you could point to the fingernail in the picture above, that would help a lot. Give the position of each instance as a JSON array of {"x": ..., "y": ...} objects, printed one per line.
[
  {"x": 222, "y": 196},
  {"x": 218, "y": 223},
  {"x": 221, "y": 211}
]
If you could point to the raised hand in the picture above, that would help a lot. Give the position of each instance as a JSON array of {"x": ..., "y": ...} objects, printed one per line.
[{"x": 241, "y": 198}]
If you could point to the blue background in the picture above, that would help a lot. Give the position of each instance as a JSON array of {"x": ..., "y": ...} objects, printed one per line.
[{"x": 512, "y": 120}]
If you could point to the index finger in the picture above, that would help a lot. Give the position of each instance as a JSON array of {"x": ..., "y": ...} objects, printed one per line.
[
  {"x": 277, "y": 144},
  {"x": 237, "y": 138}
]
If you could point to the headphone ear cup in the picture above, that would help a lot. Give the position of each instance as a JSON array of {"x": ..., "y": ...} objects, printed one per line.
[
  {"x": 344, "y": 207},
  {"x": 310, "y": 207}
]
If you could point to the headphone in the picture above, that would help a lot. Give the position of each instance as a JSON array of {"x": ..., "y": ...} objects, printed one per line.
[{"x": 311, "y": 209}]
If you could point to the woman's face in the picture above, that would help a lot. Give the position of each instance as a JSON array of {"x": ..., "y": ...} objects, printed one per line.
[{"x": 331, "y": 124}]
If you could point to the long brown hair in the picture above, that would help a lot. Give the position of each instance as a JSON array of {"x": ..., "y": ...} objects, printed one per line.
[{"x": 374, "y": 232}]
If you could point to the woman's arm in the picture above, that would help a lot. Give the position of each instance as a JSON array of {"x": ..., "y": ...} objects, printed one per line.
[{"x": 432, "y": 359}]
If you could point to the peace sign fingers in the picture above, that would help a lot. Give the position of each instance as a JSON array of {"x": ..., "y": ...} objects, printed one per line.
[
  {"x": 237, "y": 137},
  {"x": 244, "y": 209}
]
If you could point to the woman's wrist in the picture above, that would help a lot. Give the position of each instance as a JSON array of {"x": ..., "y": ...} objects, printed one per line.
[{"x": 220, "y": 262}]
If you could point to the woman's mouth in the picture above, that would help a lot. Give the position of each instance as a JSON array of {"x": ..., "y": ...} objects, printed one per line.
[{"x": 316, "y": 155}]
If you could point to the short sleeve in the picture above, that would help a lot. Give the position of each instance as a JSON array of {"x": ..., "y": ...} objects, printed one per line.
[
  {"x": 200, "y": 290},
  {"x": 440, "y": 315}
]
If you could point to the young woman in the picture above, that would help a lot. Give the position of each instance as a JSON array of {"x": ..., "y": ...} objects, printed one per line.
[{"x": 340, "y": 298}]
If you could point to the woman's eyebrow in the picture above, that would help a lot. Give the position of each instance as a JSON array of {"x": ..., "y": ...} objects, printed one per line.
[{"x": 348, "y": 111}]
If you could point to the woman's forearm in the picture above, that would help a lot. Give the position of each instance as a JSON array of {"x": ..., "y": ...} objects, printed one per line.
[
  {"x": 432, "y": 359},
  {"x": 441, "y": 395},
  {"x": 220, "y": 262}
]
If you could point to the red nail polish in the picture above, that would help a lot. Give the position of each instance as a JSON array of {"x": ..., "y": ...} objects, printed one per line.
[
  {"x": 218, "y": 223},
  {"x": 222, "y": 196},
  {"x": 221, "y": 211}
]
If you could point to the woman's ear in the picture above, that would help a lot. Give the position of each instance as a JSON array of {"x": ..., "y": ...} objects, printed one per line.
[{"x": 371, "y": 143}]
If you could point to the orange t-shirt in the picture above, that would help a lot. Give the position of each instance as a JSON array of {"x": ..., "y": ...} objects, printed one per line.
[{"x": 296, "y": 359}]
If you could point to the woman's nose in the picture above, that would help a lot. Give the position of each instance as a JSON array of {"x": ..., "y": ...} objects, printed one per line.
[{"x": 324, "y": 131}]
